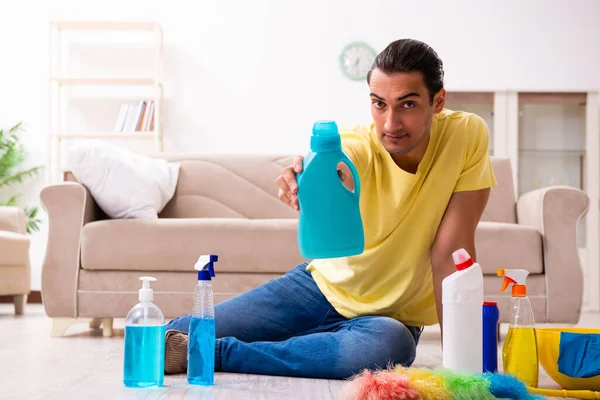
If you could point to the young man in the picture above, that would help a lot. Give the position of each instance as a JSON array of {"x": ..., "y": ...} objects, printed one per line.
[{"x": 425, "y": 178}]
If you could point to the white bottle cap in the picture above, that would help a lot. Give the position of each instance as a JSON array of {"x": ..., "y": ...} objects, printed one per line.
[
  {"x": 146, "y": 294},
  {"x": 462, "y": 259}
]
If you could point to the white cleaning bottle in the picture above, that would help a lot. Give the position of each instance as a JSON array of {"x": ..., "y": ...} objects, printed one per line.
[
  {"x": 144, "y": 360},
  {"x": 462, "y": 299}
]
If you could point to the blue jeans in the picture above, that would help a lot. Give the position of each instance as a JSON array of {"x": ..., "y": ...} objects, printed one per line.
[{"x": 287, "y": 327}]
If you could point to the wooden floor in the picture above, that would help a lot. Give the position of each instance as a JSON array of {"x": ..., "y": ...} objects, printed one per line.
[{"x": 84, "y": 365}]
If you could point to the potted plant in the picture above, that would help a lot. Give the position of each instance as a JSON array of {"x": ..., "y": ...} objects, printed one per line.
[{"x": 12, "y": 156}]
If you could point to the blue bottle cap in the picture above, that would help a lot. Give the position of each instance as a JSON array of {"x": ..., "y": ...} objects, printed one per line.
[
  {"x": 326, "y": 136},
  {"x": 325, "y": 128},
  {"x": 205, "y": 267},
  {"x": 204, "y": 275}
]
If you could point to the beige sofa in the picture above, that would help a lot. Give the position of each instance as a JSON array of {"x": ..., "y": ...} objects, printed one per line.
[
  {"x": 15, "y": 269},
  {"x": 227, "y": 205}
]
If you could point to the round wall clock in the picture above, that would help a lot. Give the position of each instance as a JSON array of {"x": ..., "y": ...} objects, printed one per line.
[{"x": 356, "y": 60}]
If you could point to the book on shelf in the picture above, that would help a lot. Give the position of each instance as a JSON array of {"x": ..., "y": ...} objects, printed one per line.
[{"x": 138, "y": 117}]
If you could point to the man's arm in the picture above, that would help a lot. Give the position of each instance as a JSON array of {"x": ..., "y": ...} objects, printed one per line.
[{"x": 456, "y": 231}]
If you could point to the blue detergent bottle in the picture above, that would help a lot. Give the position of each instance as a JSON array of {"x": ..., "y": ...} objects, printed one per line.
[
  {"x": 329, "y": 223},
  {"x": 144, "y": 360},
  {"x": 202, "y": 334}
]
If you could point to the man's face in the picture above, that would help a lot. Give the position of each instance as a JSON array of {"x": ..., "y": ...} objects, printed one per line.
[{"x": 401, "y": 110}]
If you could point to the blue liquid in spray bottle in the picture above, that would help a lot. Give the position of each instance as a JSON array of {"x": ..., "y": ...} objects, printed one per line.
[{"x": 202, "y": 334}]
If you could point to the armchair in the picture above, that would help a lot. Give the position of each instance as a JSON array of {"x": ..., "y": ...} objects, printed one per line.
[
  {"x": 536, "y": 232},
  {"x": 15, "y": 268}
]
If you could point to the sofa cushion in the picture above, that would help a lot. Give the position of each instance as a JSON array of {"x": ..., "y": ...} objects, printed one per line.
[
  {"x": 111, "y": 293},
  {"x": 165, "y": 244},
  {"x": 259, "y": 245},
  {"x": 503, "y": 245}
]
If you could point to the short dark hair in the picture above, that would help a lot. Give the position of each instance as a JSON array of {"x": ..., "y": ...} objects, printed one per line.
[{"x": 410, "y": 55}]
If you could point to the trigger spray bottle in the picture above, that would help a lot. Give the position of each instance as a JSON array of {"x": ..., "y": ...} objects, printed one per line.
[
  {"x": 519, "y": 354},
  {"x": 144, "y": 360},
  {"x": 202, "y": 334}
]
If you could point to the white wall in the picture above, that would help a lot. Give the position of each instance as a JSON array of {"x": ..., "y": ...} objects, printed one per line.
[{"x": 252, "y": 76}]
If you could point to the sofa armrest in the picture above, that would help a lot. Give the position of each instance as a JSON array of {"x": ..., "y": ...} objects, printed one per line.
[
  {"x": 69, "y": 206},
  {"x": 554, "y": 212},
  {"x": 13, "y": 219},
  {"x": 14, "y": 263}
]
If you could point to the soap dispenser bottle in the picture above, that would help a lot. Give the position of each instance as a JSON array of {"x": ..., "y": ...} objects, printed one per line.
[
  {"x": 519, "y": 353},
  {"x": 202, "y": 333},
  {"x": 144, "y": 359}
]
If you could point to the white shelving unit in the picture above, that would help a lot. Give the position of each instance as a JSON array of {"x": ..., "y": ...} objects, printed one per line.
[{"x": 115, "y": 85}]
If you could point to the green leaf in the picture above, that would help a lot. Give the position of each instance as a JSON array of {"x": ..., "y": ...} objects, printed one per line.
[
  {"x": 9, "y": 141},
  {"x": 31, "y": 212},
  {"x": 33, "y": 226},
  {"x": 19, "y": 176},
  {"x": 12, "y": 156},
  {"x": 16, "y": 128},
  {"x": 33, "y": 222},
  {"x": 10, "y": 202}
]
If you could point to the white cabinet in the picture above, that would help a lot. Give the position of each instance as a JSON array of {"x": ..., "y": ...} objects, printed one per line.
[{"x": 552, "y": 141}]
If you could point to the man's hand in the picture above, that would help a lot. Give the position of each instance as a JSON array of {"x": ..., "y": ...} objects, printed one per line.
[
  {"x": 288, "y": 188},
  {"x": 456, "y": 231}
]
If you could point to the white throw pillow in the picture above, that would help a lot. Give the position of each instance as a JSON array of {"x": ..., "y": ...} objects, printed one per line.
[{"x": 123, "y": 183}]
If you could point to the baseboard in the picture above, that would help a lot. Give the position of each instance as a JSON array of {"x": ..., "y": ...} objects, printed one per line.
[{"x": 35, "y": 297}]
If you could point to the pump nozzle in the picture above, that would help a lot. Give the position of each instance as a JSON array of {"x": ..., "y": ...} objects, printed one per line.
[
  {"x": 145, "y": 293},
  {"x": 205, "y": 266},
  {"x": 517, "y": 277}
]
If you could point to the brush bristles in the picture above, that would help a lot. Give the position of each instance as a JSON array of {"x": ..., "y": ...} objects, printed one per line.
[
  {"x": 464, "y": 386},
  {"x": 380, "y": 385},
  {"x": 507, "y": 386},
  {"x": 402, "y": 383},
  {"x": 429, "y": 385}
]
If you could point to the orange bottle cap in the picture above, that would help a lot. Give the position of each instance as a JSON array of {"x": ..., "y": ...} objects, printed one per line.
[{"x": 519, "y": 290}]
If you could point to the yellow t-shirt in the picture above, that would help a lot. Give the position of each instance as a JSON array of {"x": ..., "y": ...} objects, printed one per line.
[{"x": 401, "y": 214}]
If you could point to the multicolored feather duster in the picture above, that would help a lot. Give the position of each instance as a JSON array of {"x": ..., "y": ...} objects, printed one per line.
[{"x": 401, "y": 383}]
